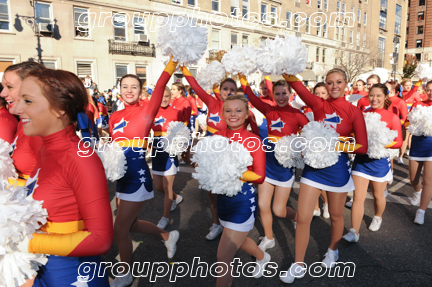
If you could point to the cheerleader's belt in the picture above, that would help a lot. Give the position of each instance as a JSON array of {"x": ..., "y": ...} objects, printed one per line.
[
  {"x": 344, "y": 145},
  {"x": 21, "y": 180},
  {"x": 133, "y": 143},
  {"x": 160, "y": 134},
  {"x": 212, "y": 130}
]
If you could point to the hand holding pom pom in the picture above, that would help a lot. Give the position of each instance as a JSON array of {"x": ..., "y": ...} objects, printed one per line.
[
  {"x": 288, "y": 153},
  {"x": 379, "y": 135},
  {"x": 177, "y": 139}
]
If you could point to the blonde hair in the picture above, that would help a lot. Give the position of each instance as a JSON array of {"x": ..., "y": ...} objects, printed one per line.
[
  {"x": 236, "y": 97},
  {"x": 337, "y": 70}
]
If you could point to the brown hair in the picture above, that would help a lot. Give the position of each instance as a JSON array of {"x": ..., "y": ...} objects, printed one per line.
[
  {"x": 190, "y": 91},
  {"x": 428, "y": 83},
  {"x": 64, "y": 92},
  {"x": 394, "y": 86},
  {"x": 237, "y": 97},
  {"x": 374, "y": 76},
  {"x": 262, "y": 82},
  {"x": 320, "y": 84},
  {"x": 337, "y": 70},
  {"x": 180, "y": 87},
  {"x": 228, "y": 80},
  {"x": 24, "y": 68},
  {"x": 134, "y": 77},
  {"x": 2, "y": 100},
  {"x": 360, "y": 80},
  {"x": 282, "y": 83},
  {"x": 384, "y": 89}
]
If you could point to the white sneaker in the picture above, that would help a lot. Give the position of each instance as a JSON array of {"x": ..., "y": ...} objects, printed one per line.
[
  {"x": 266, "y": 243},
  {"x": 351, "y": 236},
  {"x": 407, "y": 152},
  {"x": 415, "y": 200},
  {"x": 419, "y": 219},
  {"x": 294, "y": 224},
  {"x": 163, "y": 222},
  {"x": 171, "y": 243},
  {"x": 260, "y": 265},
  {"x": 330, "y": 258},
  {"x": 376, "y": 223},
  {"x": 400, "y": 161},
  {"x": 122, "y": 280},
  {"x": 294, "y": 272},
  {"x": 385, "y": 193},
  {"x": 326, "y": 213},
  {"x": 349, "y": 203},
  {"x": 317, "y": 212},
  {"x": 215, "y": 230},
  {"x": 176, "y": 201}
]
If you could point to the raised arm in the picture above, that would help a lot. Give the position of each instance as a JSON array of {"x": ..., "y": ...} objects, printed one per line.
[
  {"x": 216, "y": 91},
  {"x": 311, "y": 100},
  {"x": 269, "y": 85},
  {"x": 413, "y": 90},
  {"x": 264, "y": 108},
  {"x": 206, "y": 98}
]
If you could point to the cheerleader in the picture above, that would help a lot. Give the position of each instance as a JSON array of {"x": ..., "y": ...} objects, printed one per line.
[
  {"x": 73, "y": 188},
  {"x": 363, "y": 103},
  {"x": 266, "y": 96},
  {"x": 360, "y": 87},
  {"x": 237, "y": 213},
  {"x": 164, "y": 167},
  {"x": 420, "y": 158},
  {"x": 398, "y": 105},
  {"x": 282, "y": 120},
  {"x": 180, "y": 102},
  {"x": 422, "y": 93},
  {"x": 194, "y": 113},
  {"x": 336, "y": 179},
  {"x": 136, "y": 186},
  {"x": 214, "y": 124},
  {"x": 25, "y": 148},
  {"x": 8, "y": 123},
  {"x": 377, "y": 171}
]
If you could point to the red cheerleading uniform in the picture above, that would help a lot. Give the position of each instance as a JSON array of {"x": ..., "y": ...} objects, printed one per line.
[
  {"x": 399, "y": 108},
  {"x": 363, "y": 104},
  {"x": 393, "y": 123},
  {"x": 182, "y": 104},
  {"x": 163, "y": 118},
  {"x": 77, "y": 200},
  {"x": 145, "y": 101},
  {"x": 91, "y": 112},
  {"x": 270, "y": 99},
  {"x": 424, "y": 97},
  {"x": 193, "y": 105},
  {"x": 412, "y": 96},
  {"x": 339, "y": 113},
  {"x": 8, "y": 125},
  {"x": 214, "y": 105}
]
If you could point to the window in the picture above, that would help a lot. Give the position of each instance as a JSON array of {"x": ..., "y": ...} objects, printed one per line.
[
  {"x": 420, "y": 16},
  {"x": 326, "y": 5},
  {"x": 84, "y": 69},
  {"x": 307, "y": 26},
  {"x": 352, "y": 13},
  {"x": 337, "y": 33},
  {"x": 234, "y": 37},
  {"x": 141, "y": 72},
  {"x": 215, "y": 40},
  {"x": 245, "y": 8},
  {"x": 338, "y": 6},
  {"x": 383, "y": 15},
  {"x": 343, "y": 9},
  {"x": 365, "y": 18},
  {"x": 384, "y": 5},
  {"x": 139, "y": 25},
  {"x": 178, "y": 2},
  {"x": 336, "y": 57},
  {"x": 296, "y": 24},
  {"x": 50, "y": 64},
  {"x": 406, "y": 45},
  {"x": 381, "y": 52},
  {"x": 245, "y": 40},
  {"x": 421, "y": 2},
  {"x": 121, "y": 70},
  {"x": 81, "y": 22},
  {"x": 263, "y": 40},
  {"x": 358, "y": 39},
  {"x": 43, "y": 12},
  {"x": 419, "y": 30},
  {"x": 343, "y": 35},
  {"x": 418, "y": 56},
  {"x": 408, "y": 17},
  {"x": 263, "y": 12},
  {"x": 307, "y": 52},
  {"x": 119, "y": 22},
  {"x": 351, "y": 36},
  {"x": 364, "y": 40},
  {"x": 191, "y": 2},
  {"x": 398, "y": 20},
  {"x": 215, "y": 5},
  {"x": 359, "y": 16},
  {"x": 288, "y": 19},
  {"x": 318, "y": 28},
  {"x": 323, "y": 55},
  {"x": 325, "y": 30},
  {"x": 317, "y": 55},
  {"x": 273, "y": 15},
  {"x": 319, "y": 4},
  {"x": 234, "y": 7},
  {"x": 419, "y": 43},
  {"x": 4, "y": 15}
]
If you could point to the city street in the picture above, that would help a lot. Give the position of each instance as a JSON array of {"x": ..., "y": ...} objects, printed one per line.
[{"x": 399, "y": 254}]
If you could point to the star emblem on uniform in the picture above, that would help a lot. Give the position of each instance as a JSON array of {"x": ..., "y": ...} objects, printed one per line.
[
  {"x": 252, "y": 199},
  {"x": 252, "y": 189},
  {"x": 140, "y": 157},
  {"x": 348, "y": 163},
  {"x": 142, "y": 179},
  {"x": 118, "y": 127},
  {"x": 172, "y": 160},
  {"x": 141, "y": 172},
  {"x": 214, "y": 118},
  {"x": 141, "y": 151},
  {"x": 81, "y": 281},
  {"x": 253, "y": 208},
  {"x": 277, "y": 125},
  {"x": 31, "y": 183},
  {"x": 333, "y": 120},
  {"x": 159, "y": 121}
]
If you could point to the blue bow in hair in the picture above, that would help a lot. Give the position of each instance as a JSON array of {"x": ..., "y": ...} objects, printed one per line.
[
  {"x": 83, "y": 124},
  {"x": 150, "y": 91}
]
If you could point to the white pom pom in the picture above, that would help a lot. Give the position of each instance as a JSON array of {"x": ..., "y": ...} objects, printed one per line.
[
  {"x": 179, "y": 38},
  {"x": 7, "y": 169},
  {"x": 220, "y": 165},
  {"x": 202, "y": 120},
  {"x": 423, "y": 72},
  {"x": 240, "y": 60},
  {"x": 280, "y": 56},
  {"x": 318, "y": 152},
  {"x": 287, "y": 153},
  {"x": 420, "y": 119},
  {"x": 298, "y": 103},
  {"x": 382, "y": 73},
  {"x": 364, "y": 76},
  {"x": 210, "y": 74},
  {"x": 113, "y": 160},
  {"x": 354, "y": 98},
  {"x": 393, "y": 153},
  {"x": 177, "y": 139},
  {"x": 379, "y": 135}
]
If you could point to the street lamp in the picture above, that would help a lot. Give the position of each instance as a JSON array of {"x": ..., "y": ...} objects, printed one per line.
[{"x": 395, "y": 55}]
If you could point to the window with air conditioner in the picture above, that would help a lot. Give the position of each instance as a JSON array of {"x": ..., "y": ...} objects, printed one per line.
[
  {"x": 119, "y": 24},
  {"x": 44, "y": 19},
  {"x": 4, "y": 15},
  {"x": 81, "y": 22}
]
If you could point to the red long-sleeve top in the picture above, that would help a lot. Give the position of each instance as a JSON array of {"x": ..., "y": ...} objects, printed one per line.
[
  {"x": 339, "y": 113},
  {"x": 8, "y": 124},
  {"x": 256, "y": 172},
  {"x": 281, "y": 121},
  {"x": 363, "y": 104},
  {"x": 412, "y": 96},
  {"x": 135, "y": 120},
  {"x": 270, "y": 99},
  {"x": 163, "y": 118},
  {"x": 74, "y": 191},
  {"x": 399, "y": 108},
  {"x": 393, "y": 123},
  {"x": 182, "y": 104},
  {"x": 193, "y": 105}
]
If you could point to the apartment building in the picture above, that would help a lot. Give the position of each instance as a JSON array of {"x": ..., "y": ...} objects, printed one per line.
[{"x": 107, "y": 39}]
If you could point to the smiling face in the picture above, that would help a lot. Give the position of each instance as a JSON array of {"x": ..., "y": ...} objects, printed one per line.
[
  {"x": 377, "y": 98},
  {"x": 371, "y": 82},
  {"x": 263, "y": 90},
  {"x": 235, "y": 114},
  {"x": 407, "y": 86},
  {"x": 359, "y": 86},
  {"x": 335, "y": 85},
  {"x": 281, "y": 96},
  {"x": 226, "y": 89},
  {"x": 34, "y": 110},
  {"x": 166, "y": 99},
  {"x": 130, "y": 90},
  {"x": 322, "y": 93},
  {"x": 11, "y": 84}
]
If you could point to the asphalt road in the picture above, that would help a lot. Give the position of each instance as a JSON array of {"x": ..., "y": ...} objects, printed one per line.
[{"x": 399, "y": 254}]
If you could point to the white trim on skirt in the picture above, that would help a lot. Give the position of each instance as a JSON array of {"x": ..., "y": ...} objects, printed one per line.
[
  {"x": 288, "y": 183},
  {"x": 349, "y": 186},
  {"x": 420, "y": 158},
  {"x": 171, "y": 171},
  {"x": 246, "y": 226},
  {"x": 387, "y": 177},
  {"x": 138, "y": 196}
]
